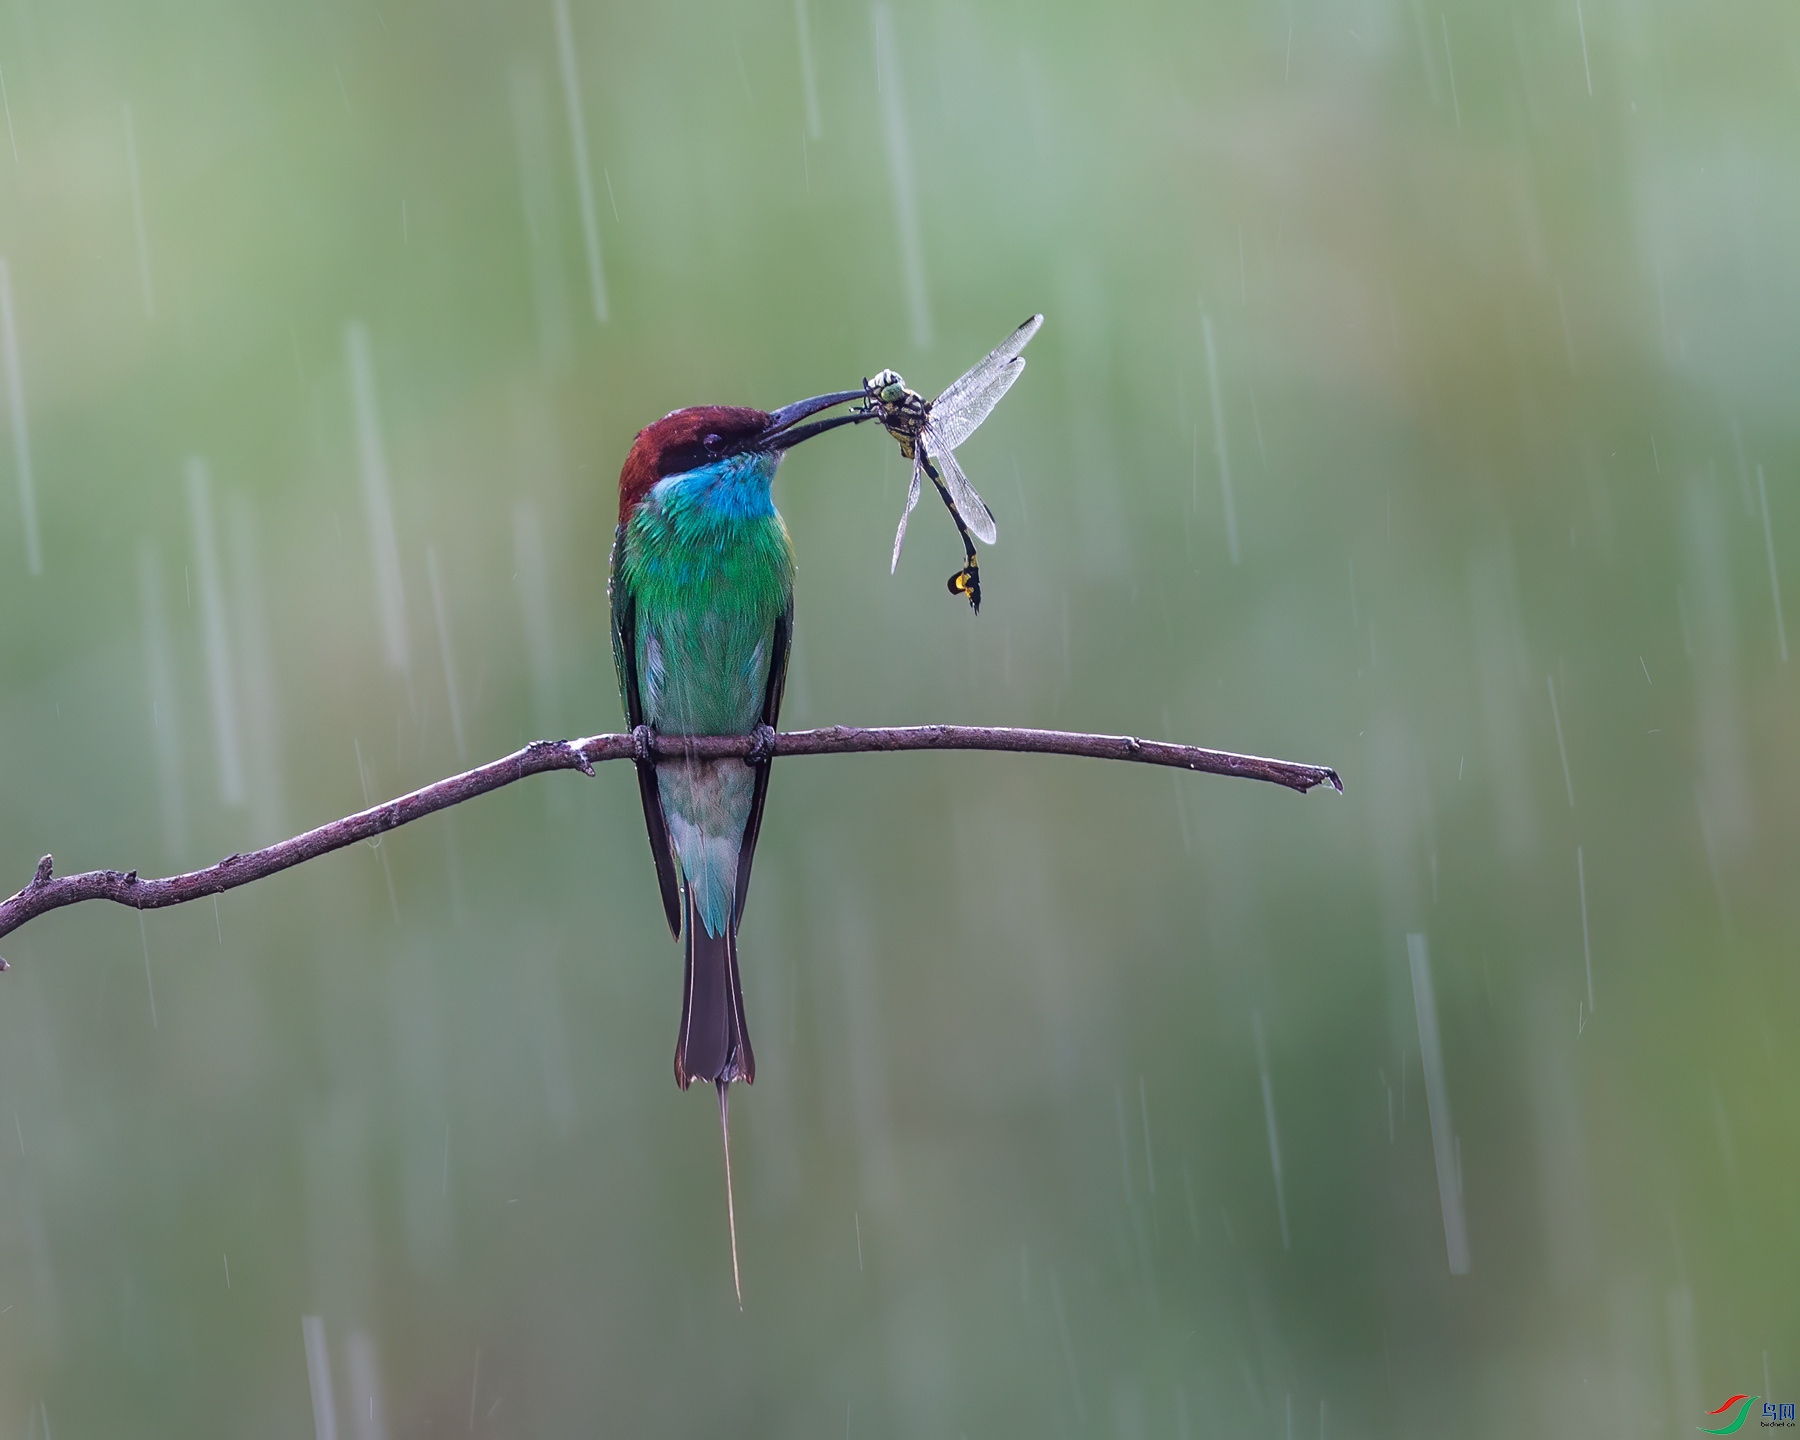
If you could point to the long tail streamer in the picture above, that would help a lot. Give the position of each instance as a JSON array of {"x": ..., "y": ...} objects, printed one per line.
[{"x": 730, "y": 1203}]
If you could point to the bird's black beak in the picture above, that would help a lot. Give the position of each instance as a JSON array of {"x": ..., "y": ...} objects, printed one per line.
[{"x": 782, "y": 431}]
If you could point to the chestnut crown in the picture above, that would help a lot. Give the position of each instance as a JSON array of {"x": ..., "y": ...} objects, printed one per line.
[{"x": 685, "y": 440}]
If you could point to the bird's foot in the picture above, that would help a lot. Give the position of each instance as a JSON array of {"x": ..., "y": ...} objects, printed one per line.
[
  {"x": 640, "y": 739},
  {"x": 762, "y": 746}
]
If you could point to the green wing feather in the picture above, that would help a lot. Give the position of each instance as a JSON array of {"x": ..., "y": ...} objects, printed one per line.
[
  {"x": 624, "y": 642},
  {"x": 780, "y": 642}
]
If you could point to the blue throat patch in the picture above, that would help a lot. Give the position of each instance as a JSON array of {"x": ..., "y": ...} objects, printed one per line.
[{"x": 735, "y": 488}]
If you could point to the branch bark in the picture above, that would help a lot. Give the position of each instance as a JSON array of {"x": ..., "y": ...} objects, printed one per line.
[{"x": 46, "y": 892}]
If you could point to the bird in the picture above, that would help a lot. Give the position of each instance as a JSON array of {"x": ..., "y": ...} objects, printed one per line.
[{"x": 702, "y": 610}]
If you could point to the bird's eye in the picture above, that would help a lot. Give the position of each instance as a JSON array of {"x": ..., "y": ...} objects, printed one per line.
[{"x": 712, "y": 442}]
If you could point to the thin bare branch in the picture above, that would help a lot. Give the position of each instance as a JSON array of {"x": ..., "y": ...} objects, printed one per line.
[{"x": 46, "y": 892}]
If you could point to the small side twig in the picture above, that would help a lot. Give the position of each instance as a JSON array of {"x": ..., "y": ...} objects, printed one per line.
[{"x": 47, "y": 892}]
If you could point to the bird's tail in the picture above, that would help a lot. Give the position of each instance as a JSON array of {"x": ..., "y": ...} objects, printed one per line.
[
  {"x": 730, "y": 1204},
  {"x": 714, "y": 1043}
]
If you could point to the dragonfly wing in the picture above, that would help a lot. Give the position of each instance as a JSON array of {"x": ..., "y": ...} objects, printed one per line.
[
  {"x": 912, "y": 499},
  {"x": 970, "y": 506},
  {"x": 959, "y": 422},
  {"x": 979, "y": 375}
]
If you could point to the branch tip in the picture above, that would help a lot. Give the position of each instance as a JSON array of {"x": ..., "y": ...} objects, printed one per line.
[{"x": 43, "y": 872}]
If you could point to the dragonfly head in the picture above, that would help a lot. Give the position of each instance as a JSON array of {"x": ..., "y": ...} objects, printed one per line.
[
  {"x": 903, "y": 413},
  {"x": 887, "y": 388}
]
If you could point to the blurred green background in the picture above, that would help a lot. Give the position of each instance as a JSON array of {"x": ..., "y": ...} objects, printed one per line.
[{"x": 1481, "y": 321}]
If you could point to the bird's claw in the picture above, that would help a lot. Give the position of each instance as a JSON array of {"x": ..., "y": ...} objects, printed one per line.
[
  {"x": 762, "y": 746},
  {"x": 640, "y": 739}
]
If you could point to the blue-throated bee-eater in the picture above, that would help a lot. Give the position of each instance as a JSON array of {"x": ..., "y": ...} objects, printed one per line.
[{"x": 702, "y": 617}]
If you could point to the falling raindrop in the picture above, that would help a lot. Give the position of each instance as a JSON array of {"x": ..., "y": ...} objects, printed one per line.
[
  {"x": 808, "y": 81},
  {"x": 367, "y": 1410},
  {"x": 444, "y": 649},
  {"x": 1762, "y": 491},
  {"x": 220, "y": 681},
  {"x": 1561, "y": 749},
  {"x": 1149, "y": 1162},
  {"x": 1710, "y": 627},
  {"x": 1581, "y": 28},
  {"x": 15, "y": 395},
  {"x": 165, "y": 713},
  {"x": 318, "y": 1377},
  {"x": 584, "y": 176},
  {"x": 1563, "y": 311},
  {"x": 900, "y": 174},
  {"x": 537, "y": 195},
  {"x": 1268, "y": 1094},
  {"x": 1219, "y": 448},
  {"x": 137, "y": 216},
  {"x": 1444, "y": 1147},
  {"x": 149, "y": 984},
  {"x": 1426, "y": 59},
  {"x": 7, "y": 102},
  {"x": 1068, "y": 1348},
  {"x": 1684, "y": 1350},
  {"x": 531, "y": 573},
  {"x": 1194, "y": 500},
  {"x": 261, "y": 712},
  {"x": 743, "y": 73},
  {"x": 378, "y": 505},
  {"x": 1124, "y": 1149},
  {"x": 1587, "y": 953},
  {"x": 1450, "y": 69}
]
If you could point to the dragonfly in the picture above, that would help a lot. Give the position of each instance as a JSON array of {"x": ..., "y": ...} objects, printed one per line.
[{"x": 929, "y": 432}]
